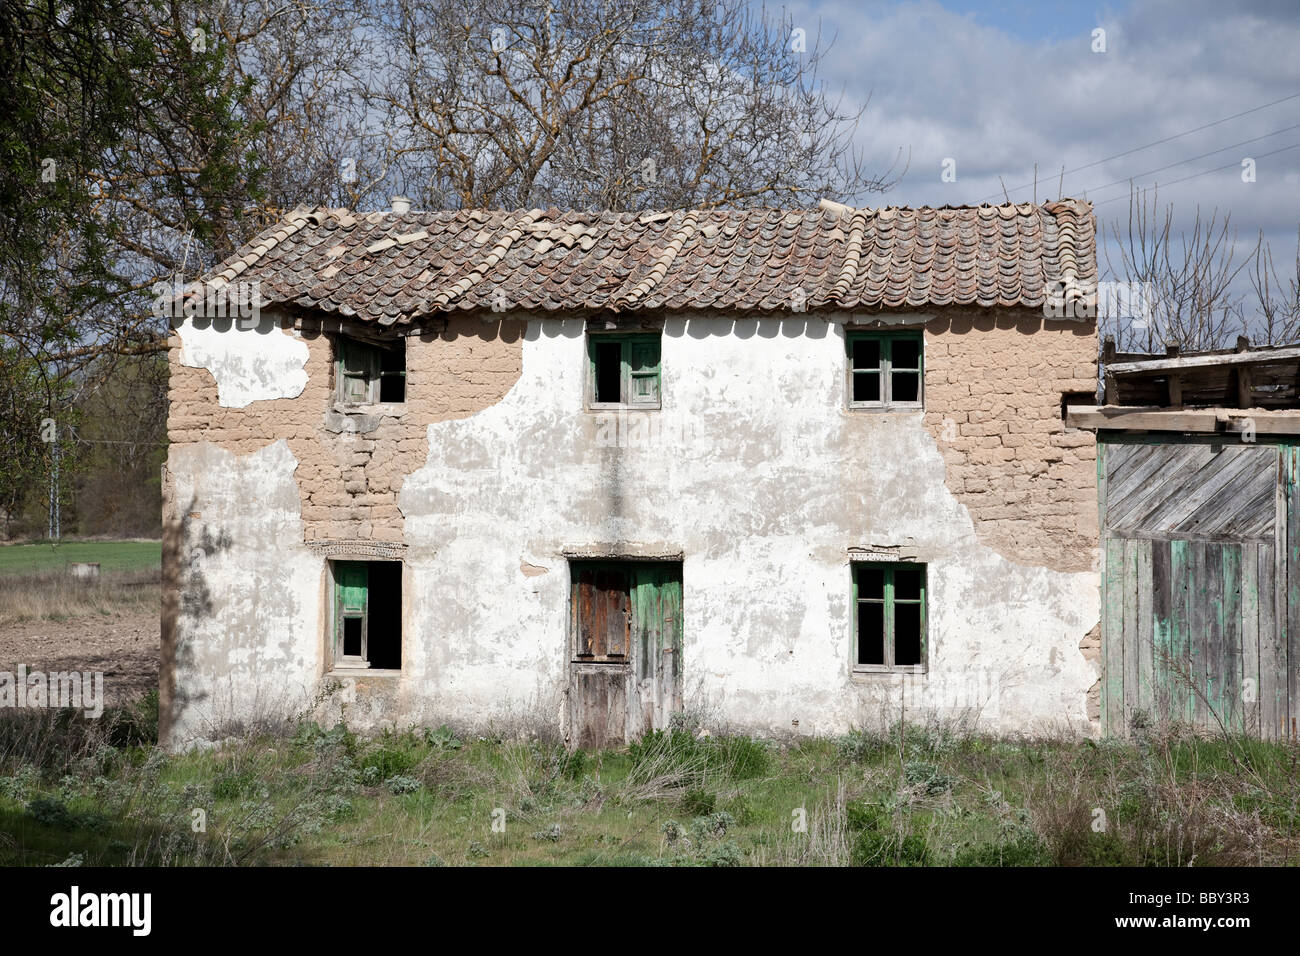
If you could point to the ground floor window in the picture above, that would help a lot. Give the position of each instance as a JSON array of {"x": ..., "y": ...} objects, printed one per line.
[
  {"x": 367, "y": 619},
  {"x": 889, "y": 616}
]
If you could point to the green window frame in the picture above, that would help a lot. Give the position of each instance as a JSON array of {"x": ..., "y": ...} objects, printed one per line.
[
  {"x": 638, "y": 374},
  {"x": 886, "y": 370},
  {"x": 890, "y": 617},
  {"x": 351, "y": 614}
]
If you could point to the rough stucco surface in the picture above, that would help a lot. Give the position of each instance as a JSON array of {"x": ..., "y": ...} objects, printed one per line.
[
  {"x": 273, "y": 370},
  {"x": 348, "y": 482},
  {"x": 993, "y": 390},
  {"x": 754, "y": 470},
  {"x": 249, "y": 618}
]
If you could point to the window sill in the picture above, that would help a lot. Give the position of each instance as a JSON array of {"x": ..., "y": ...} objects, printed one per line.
[
  {"x": 396, "y": 409},
  {"x": 868, "y": 671},
  {"x": 886, "y": 408},
  {"x": 362, "y": 672},
  {"x": 615, "y": 407}
]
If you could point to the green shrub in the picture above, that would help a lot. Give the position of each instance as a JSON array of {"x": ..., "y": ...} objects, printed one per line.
[
  {"x": 724, "y": 853},
  {"x": 233, "y": 784},
  {"x": 862, "y": 815},
  {"x": 442, "y": 739},
  {"x": 401, "y": 784},
  {"x": 744, "y": 757},
  {"x": 927, "y": 776},
  {"x": 699, "y": 802},
  {"x": 874, "y": 848},
  {"x": 387, "y": 762},
  {"x": 1024, "y": 850}
]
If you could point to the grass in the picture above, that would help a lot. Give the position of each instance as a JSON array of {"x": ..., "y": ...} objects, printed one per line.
[
  {"x": 23, "y": 559},
  {"x": 98, "y": 792},
  {"x": 35, "y": 583}
]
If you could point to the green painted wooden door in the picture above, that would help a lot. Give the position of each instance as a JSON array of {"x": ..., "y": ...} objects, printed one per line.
[
  {"x": 1194, "y": 594},
  {"x": 625, "y": 665}
]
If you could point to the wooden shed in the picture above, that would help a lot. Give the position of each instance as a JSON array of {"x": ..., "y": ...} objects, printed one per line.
[{"x": 1198, "y": 465}]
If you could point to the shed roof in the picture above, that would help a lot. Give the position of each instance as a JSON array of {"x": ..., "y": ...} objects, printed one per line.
[{"x": 393, "y": 268}]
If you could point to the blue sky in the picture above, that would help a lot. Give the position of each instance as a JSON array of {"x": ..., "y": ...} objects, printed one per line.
[{"x": 995, "y": 87}]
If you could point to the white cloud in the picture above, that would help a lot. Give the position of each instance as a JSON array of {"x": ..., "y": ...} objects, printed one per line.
[{"x": 948, "y": 84}]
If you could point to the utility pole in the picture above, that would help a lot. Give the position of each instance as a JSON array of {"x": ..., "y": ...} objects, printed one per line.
[{"x": 54, "y": 522}]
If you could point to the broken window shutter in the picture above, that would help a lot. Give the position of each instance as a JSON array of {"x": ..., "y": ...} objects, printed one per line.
[
  {"x": 643, "y": 370},
  {"x": 603, "y": 614},
  {"x": 585, "y": 613},
  {"x": 358, "y": 371},
  {"x": 351, "y": 582}
]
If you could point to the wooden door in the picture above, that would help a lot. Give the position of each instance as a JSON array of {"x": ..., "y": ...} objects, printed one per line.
[
  {"x": 626, "y": 640},
  {"x": 1194, "y": 594}
]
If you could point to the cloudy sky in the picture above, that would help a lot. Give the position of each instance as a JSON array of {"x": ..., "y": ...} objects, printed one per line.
[{"x": 999, "y": 86}]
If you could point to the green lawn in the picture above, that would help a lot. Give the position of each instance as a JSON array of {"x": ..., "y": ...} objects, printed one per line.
[{"x": 111, "y": 555}]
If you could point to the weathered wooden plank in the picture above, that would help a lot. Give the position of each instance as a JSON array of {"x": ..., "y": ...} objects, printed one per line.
[
  {"x": 1205, "y": 361},
  {"x": 1112, "y": 640},
  {"x": 1198, "y": 627},
  {"x": 1166, "y": 465},
  {"x": 1292, "y": 644},
  {"x": 1212, "y": 646},
  {"x": 1244, "y": 501},
  {"x": 1229, "y": 659},
  {"x": 1145, "y": 665},
  {"x": 1161, "y": 612},
  {"x": 1206, "y": 421},
  {"x": 1131, "y": 634},
  {"x": 1181, "y": 563},
  {"x": 1272, "y": 614},
  {"x": 1176, "y": 504},
  {"x": 1250, "y": 608}
]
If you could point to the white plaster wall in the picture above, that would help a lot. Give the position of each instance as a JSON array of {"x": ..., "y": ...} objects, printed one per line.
[
  {"x": 252, "y": 360},
  {"x": 763, "y": 480},
  {"x": 248, "y": 629},
  {"x": 753, "y": 470}
]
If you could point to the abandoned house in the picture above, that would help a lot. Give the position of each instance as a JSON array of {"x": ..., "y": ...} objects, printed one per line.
[
  {"x": 1200, "y": 520},
  {"x": 787, "y": 471}
]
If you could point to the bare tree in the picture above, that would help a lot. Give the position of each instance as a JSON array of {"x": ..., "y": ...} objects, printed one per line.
[
  {"x": 608, "y": 104},
  {"x": 1277, "y": 299},
  {"x": 1187, "y": 279}
]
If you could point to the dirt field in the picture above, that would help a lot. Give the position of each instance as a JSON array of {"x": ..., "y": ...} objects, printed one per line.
[{"x": 122, "y": 643}]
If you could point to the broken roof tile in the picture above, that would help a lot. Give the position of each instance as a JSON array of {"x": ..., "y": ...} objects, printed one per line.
[{"x": 386, "y": 267}]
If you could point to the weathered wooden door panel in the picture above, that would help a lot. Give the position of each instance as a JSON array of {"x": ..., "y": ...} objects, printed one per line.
[
  {"x": 1194, "y": 622},
  {"x": 602, "y": 691},
  {"x": 1190, "y": 616},
  {"x": 625, "y": 673}
]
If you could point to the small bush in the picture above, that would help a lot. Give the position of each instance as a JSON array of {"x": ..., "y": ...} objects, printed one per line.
[
  {"x": 400, "y": 784},
  {"x": 551, "y": 834},
  {"x": 387, "y": 762},
  {"x": 744, "y": 757},
  {"x": 699, "y": 802},
  {"x": 927, "y": 776},
  {"x": 873, "y": 848},
  {"x": 1024, "y": 850}
]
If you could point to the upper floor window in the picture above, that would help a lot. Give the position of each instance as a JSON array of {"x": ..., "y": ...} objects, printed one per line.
[
  {"x": 885, "y": 370},
  {"x": 366, "y": 374},
  {"x": 623, "y": 370}
]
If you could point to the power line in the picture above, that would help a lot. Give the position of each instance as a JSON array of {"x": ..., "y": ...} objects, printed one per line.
[
  {"x": 1190, "y": 159},
  {"x": 1138, "y": 149},
  {"x": 1205, "y": 172}
]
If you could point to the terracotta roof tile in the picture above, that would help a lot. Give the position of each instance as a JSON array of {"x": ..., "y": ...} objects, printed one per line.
[{"x": 389, "y": 268}]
